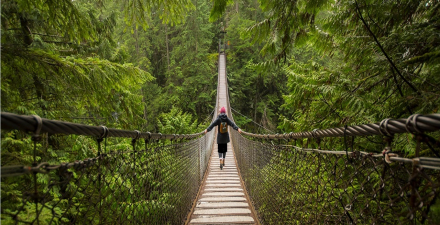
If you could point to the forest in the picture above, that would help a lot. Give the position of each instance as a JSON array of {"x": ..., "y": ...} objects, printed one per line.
[
  {"x": 151, "y": 66},
  {"x": 292, "y": 66}
]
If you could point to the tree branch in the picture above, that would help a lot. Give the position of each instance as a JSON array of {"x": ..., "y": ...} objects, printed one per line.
[
  {"x": 330, "y": 106},
  {"x": 48, "y": 35},
  {"x": 400, "y": 91},
  {"x": 383, "y": 51}
]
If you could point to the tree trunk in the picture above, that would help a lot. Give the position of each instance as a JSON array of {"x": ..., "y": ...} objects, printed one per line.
[
  {"x": 27, "y": 35},
  {"x": 136, "y": 38},
  {"x": 40, "y": 91},
  {"x": 168, "y": 49},
  {"x": 255, "y": 104},
  {"x": 196, "y": 30},
  {"x": 145, "y": 108}
]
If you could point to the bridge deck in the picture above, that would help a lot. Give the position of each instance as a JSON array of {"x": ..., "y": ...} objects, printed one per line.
[{"x": 222, "y": 199}]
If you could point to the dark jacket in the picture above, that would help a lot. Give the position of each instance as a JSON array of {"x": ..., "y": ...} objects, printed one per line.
[{"x": 222, "y": 138}]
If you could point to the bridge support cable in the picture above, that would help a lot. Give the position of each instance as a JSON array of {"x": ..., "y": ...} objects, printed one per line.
[
  {"x": 317, "y": 178},
  {"x": 154, "y": 181},
  {"x": 289, "y": 178}
]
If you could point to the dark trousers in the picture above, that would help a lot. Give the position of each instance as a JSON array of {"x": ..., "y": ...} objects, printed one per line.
[{"x": 222, "y": 149}]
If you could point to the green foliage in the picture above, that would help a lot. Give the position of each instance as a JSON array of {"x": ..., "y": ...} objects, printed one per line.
[
  {"x": 343, "y": 77},
  {"x": 286, "y": 24},
  {"x": 172, "y": 12},
  {"x": 292, "y": 66},
  {"x": 345, "y": 63},
  {"x": 218, "y": 8},
  {"x": 60, "y": 68},
  {"x": 309, "y": 187},
  {"x": 75, "y": 194},
  {"x": 176, "y": 122},
  {"x": 65, "y": 60},
  {"x": 253, "y": 92}
]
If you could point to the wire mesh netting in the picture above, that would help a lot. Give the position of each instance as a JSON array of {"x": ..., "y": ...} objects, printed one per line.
[
  {"x": 158, "y": 184},
  {"x": 153, "y": 185},
  {"x": 292, "y": 185}
]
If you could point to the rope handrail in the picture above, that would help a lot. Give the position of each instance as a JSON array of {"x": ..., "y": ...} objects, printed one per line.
[
  {"x": 387, "y": 127},
  {"x": 11, "y": 121},
  {"x": 423, "y": 162},
  {"x": 153, "y": 184},
  {"x": 288, "y": 184},
  {"x": 291, "y": 184},
  {"x": 284, "y": 181}
]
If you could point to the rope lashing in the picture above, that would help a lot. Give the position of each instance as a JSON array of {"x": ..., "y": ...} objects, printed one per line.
[
  {"x": 104, "y": 133},
  {"x": 345, "y": 141},
  {"x": 133, "y": 141},
  {"x": 413, "y": 123},
  {"x": 315, "y": 175},
  {"x": 420, "y": 135},
  {"x": 318, "y": 140},
  {"x": 383, "y": 128},
  {"x": 314, "y": 133},
  {"x": 147, "y": 140},
  {"x": 387, "y": 154},
  {"x": 101, "y": 138},
  {"x": 36, "y": 135}
]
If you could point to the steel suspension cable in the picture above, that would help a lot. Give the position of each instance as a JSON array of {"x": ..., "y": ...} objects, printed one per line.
[
  {"x": 153, "y": 185},
  {"x": 424, "y": 123},
  {"x": 292, "y": 179}
]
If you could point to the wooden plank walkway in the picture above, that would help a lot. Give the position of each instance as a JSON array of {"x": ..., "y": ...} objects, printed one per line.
[{"x": 222, "y": 199}]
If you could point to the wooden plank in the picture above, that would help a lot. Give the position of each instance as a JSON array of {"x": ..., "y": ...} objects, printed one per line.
[
  {"x": 222, "y": 199},
  {"x": 222, "y": 205},
  {"x": 229, "y": 211},
  {"x": 223, "y": 220}
]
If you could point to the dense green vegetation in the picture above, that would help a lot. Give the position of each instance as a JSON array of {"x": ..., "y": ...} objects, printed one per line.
[
  {"x": 337, "y": 63},
  {"x": 292, "y": 65},
  {"x": 70, "y": 59},
  {"x": 104, "y": 63},
  {"x": 151, "y": 66},
  {"x": 291, "y": 185}
]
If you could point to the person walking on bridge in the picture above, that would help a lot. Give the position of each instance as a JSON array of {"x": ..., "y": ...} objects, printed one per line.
[{"x": 222, "y": 122}]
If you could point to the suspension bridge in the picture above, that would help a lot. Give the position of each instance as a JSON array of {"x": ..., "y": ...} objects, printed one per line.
[{"x": 294, "y": 178}]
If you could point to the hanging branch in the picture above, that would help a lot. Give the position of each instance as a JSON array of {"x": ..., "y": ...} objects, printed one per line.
[
  {"x": 383, "y": 51},
  {"x": 400, "y": 92}
]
